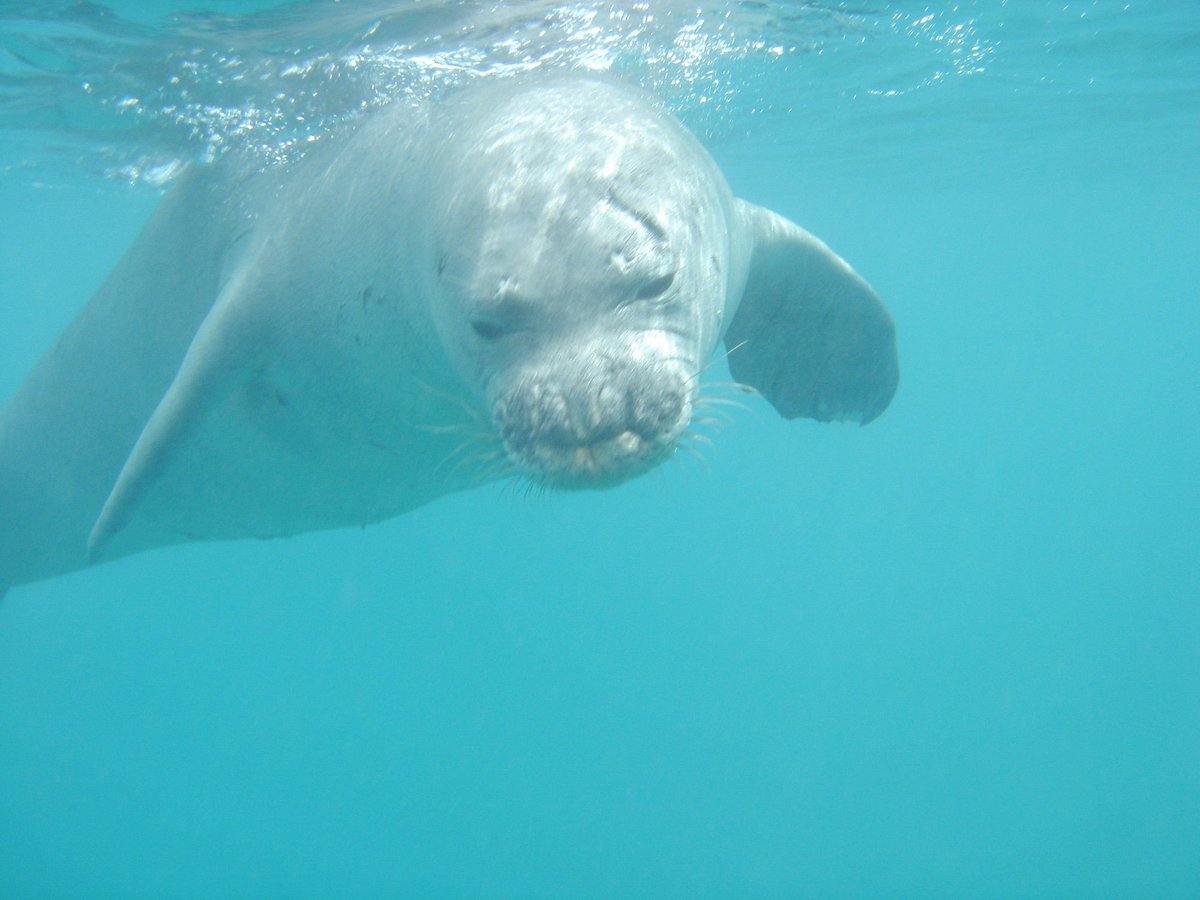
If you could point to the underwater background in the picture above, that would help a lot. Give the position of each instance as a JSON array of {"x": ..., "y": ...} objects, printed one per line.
[{"x": 955, "y": 653}]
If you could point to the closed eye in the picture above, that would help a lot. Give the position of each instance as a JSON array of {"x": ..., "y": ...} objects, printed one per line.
[
  {"x": 656, "y": 288},
  {"x": 646, "y": 220},
  {"x": 487, "y": 329}
]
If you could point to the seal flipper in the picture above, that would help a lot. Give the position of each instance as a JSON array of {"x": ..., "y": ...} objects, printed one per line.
[
  {"x": 213, "y": 367},
  {"x": 817, "y": 341}
]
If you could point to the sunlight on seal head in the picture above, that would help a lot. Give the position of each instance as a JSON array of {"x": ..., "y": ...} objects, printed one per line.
[{"x": 583, "y": 271}]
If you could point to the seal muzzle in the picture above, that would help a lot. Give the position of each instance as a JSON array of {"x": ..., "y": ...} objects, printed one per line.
[{"x": 595, "y": 425}]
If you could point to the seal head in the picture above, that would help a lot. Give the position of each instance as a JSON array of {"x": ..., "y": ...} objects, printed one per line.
[{"x": 584, "y": 287}]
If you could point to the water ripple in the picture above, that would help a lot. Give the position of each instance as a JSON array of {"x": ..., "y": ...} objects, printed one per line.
[{"x": 83, "y": 89}]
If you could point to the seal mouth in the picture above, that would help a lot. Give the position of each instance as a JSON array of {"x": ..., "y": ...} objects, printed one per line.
[
  {"x": 580, "y": 439},
  {"x": 597, "y": 464}
]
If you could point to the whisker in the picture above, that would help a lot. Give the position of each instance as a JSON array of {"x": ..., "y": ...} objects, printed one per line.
[
  {"x": 696, "y": 454},
  {"x": 480, "y": 440},
  {"x": 713, "y": 417},
  {"x": 721, "y": 401},
  {"x": 473, "y": 413},
  {"x": 708, "y": 422},
  {"x": 509, "y": 488},
  {"x": 497, "y": 469},
  {"x": 717, "y": 359},
  {"x": 731, "y": 386},
  {"x": 443, "y": 429},
  {"x": 476, "y": 439},
  {"x": 719, "y": 396},
  {"x": 505, "y": 474},
  {"x": 461, "y": 465}
]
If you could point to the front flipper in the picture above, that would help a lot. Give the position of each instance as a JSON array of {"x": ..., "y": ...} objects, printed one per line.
[
  {"x": 810, "y": 334},
  {"x": 215, "y": 363}
]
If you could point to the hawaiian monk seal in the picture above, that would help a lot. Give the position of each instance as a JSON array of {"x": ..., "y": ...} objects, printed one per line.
[{"x": 525, "y": 278}]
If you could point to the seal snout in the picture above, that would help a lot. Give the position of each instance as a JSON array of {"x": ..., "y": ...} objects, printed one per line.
[{"x": 594, "y": 430}]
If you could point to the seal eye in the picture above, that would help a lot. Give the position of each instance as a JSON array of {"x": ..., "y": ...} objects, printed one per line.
[
  {"x": 656, "y": 288},
  {"x": 487, "y": 329}
]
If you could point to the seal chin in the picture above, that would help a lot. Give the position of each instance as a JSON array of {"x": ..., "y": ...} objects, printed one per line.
[
  {"x": 595, "y": 464},
  {"x": 592, "y": 436}
]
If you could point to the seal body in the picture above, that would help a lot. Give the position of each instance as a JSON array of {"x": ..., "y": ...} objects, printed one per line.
[{"x": 524, "y": 279}]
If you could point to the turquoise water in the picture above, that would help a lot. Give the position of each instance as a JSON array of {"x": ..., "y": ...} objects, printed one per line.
[{"x": 955, "y": 653}]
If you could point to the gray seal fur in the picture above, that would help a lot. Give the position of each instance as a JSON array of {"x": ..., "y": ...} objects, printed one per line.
[{"x": 521, "y": 279}]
